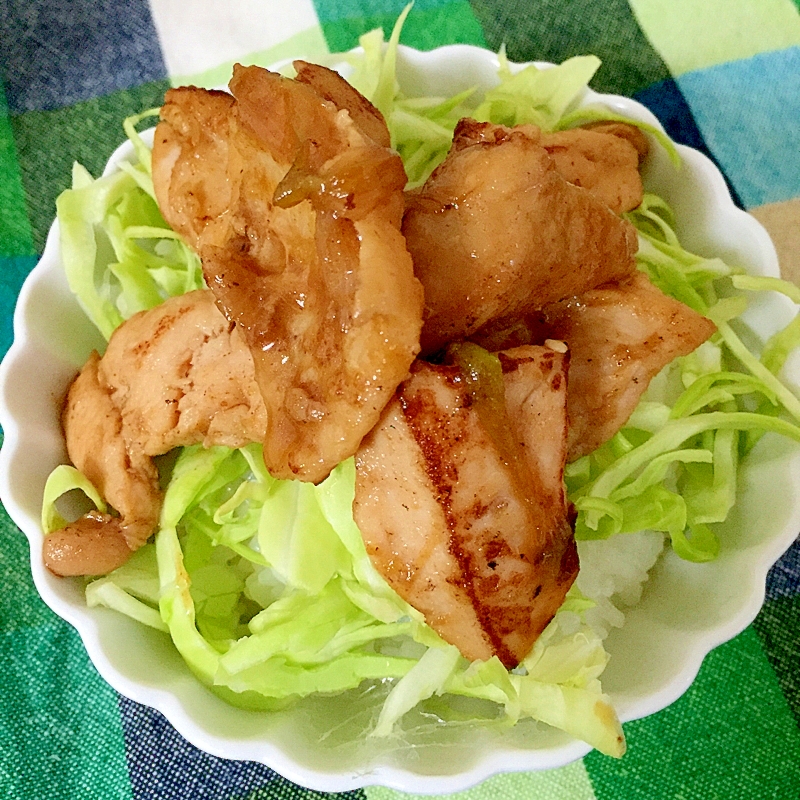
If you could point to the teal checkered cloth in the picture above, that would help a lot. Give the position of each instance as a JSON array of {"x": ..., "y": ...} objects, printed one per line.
[{"x": 723, "y": 76}]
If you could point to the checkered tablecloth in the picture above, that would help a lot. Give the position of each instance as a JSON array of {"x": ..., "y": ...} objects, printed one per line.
[{"x": 722, "y": 75}]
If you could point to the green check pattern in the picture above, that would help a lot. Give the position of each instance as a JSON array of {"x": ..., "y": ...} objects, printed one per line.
[{"x": 723, "y": 76}]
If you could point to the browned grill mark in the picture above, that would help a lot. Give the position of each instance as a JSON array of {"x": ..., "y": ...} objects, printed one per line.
[{"x": 420, "y": 411}]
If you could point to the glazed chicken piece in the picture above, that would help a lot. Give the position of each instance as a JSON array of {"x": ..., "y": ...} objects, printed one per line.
[
  {"x": 603, "y": 158},
  {"x": 623, "y": 130},
  {"x": 463, "y": 509},
  {"x": 306, "y": 258},
  {"x": 178, "y": 374},
  {"x": 496, "y": 229},
  {"x": 98, "y": 543},
  {"x": 193, "y": 192},
  {"x": 181, "y": 374},
  {"x": 331, "y": 86},
  {"x": 604, "y": 163},
  {"x": 620, "y": 337}
]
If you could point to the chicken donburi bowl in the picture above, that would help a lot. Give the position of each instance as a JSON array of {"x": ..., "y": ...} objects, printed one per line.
[{"x": 366, "y": 531}]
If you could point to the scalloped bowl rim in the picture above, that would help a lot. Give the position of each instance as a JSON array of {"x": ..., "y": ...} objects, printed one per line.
[{"x": 29, "y": 429}]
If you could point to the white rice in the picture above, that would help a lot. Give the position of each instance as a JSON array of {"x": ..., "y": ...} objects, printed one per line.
[{"x": 612, "y": 574}]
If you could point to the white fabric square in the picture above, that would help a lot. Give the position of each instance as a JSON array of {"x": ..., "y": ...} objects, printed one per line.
[{"x": 198, "y": 36}]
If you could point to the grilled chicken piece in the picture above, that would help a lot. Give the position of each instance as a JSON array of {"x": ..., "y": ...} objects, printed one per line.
[
  {"x": 333, "y": 87},
  {"x": 306, "y": 258},
  {"x": 126, "y": 478},
  {"x": 496, "y": 229},
  {"x": 603, "y": 158},
  {"x": 623, "y": 130},
  {"x": 602, "y": 162},
  {"x": 178, "y": 374},
  {"x": 620, "y": 337},
  {"x": 181, "y": 374},
  {"x": 464, "y": 514},
  {"x": 193, "y": 192}
]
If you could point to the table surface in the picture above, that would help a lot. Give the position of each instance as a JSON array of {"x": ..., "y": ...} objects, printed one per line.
[{"x": 722, "y": 76}]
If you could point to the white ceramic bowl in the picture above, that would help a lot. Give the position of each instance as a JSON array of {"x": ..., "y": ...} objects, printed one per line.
[{"x": 687, "y": 609}]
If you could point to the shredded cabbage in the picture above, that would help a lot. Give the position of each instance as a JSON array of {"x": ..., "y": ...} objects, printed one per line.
[
  {"x": 119, "y": 255},
  {"x": 674, "y": 466},
  {"x": 265, "y": 586}
]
